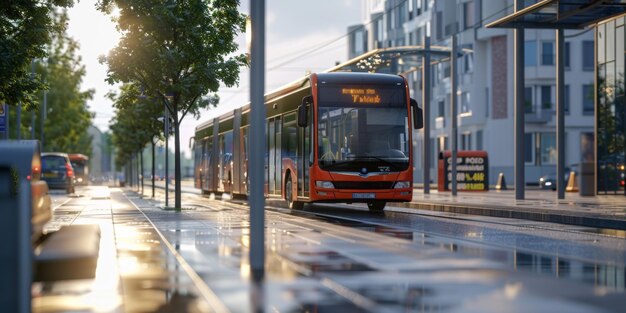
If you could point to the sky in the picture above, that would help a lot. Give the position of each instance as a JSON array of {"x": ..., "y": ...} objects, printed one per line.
[{"x": 293, "y": 29}]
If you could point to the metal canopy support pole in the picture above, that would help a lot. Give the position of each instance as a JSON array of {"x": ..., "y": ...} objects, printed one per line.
[
  {"x": 7, "y": 108},
  {"x": 18, "y": 124},
  {"x": 560, "y": 118},
  {"x": 166, "y": 134},
  {"x": 518, "y": 55},
  {"x": 453, "y": 112},
  {"x": 426, "y": 108},
  {"x": 43, "y": 118},
  {"x": 257, "y": 140}
]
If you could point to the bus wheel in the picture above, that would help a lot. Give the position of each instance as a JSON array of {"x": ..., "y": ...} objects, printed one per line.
[
  {"x": 291, "y": 203},
  {"x": 376, "y": 206}
]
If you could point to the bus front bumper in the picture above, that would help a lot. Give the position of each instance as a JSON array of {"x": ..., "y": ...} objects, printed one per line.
[{"x": 349, "y": 196}]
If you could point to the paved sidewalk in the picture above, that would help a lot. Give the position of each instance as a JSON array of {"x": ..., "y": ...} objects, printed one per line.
[{"x": 604, "y": 211}]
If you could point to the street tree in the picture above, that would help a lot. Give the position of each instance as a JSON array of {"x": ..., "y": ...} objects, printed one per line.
[
  {"x": 179, "y": 50},
  {"x": 25, "y": 30},
  {"x": 67, "y": 116},
  {"x": 145, "y": 124}
]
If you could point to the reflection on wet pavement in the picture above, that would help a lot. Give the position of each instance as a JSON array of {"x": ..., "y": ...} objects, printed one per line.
[
  {"x": 344, "y": 265},
  {"x": 154, "y": 260},
  {"x": 598, "y": 261}
]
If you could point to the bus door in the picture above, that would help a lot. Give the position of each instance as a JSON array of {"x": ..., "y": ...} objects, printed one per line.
[
  {"x": 237, "y": 166},
  {"x": 305, "y": 155},
  {"x": 274, "y": 158},
  {"x": 207, "y": 145}
]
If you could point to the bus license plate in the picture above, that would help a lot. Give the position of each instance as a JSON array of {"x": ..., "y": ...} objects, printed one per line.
[{"x": 363, "y": 196}]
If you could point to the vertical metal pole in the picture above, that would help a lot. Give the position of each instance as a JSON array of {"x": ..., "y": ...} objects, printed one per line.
[
  {"x": 560, "y": 117},
  {"x": 18, "y": 124},
  {"x": 32, "y": 124},
  {"x": 166, "y": 132},
  {"x": 453, "y": 112},
  {"x": 426, "y": 108},
  {"x": 257, "y": 140},
  {"x": 153, "y": 163},
  {"x": 43, "y": 118},
  {"x": 518, "y": 55},
  {"x": 32, "y": 112},
  {"x": 7, "y": 109}
]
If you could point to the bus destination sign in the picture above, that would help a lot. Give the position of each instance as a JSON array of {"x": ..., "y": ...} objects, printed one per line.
[
  {"x": 472, "y": 171},
  {"x": 362, "y": 95}
]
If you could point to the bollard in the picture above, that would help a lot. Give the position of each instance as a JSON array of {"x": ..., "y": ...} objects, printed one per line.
[
  {"x": 501, "y": 184},
  {"x": 572, "y": 184},
  {"x": 16, "y": 169}
]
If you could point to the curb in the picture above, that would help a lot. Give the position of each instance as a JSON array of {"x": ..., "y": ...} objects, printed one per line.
[{"x": 587, "y": 220}]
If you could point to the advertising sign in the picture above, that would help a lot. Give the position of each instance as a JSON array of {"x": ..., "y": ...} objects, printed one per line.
[
  {"x": 472, "y": 171},
  {"x": 3, "y": 117}
]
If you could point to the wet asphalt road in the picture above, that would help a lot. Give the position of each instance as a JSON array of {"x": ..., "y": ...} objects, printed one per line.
[{"x": 342, "y": 258}]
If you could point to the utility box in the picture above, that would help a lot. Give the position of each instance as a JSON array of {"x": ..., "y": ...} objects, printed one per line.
[{"x": 18, "y": 160}]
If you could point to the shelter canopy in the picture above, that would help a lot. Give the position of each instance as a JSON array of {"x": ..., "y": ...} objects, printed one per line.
[{"x": 562, "y": 14}]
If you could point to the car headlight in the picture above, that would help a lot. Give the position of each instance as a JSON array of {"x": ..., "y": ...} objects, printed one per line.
[
  {"x": 402, "y": 185},
  {"x": 324, "y": 184},
  {"x": 548, "y": 183}
]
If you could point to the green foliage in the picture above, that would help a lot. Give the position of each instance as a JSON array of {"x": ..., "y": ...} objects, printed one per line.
[
  {"x": 183, "y": 49},
  {"x": 25, "y": 30},
  {"x": 67, "y": 115},
  {"x": 135, "y": 123},
  {"x": 178, "y": 51}
]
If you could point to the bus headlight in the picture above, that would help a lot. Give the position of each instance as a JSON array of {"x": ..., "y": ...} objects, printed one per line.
[
  {"x": 402, "y": 185},
  {"x": 324, "y": 184}
]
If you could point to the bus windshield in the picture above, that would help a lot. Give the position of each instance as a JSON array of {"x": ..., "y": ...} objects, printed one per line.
[{"x": 369, "y": 132}]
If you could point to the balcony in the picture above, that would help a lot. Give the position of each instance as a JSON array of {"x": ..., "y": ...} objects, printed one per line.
[{"x": 538, "y": 116}]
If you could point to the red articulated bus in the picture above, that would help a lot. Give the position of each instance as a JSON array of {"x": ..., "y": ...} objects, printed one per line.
[{"x": 331, "y": 137}]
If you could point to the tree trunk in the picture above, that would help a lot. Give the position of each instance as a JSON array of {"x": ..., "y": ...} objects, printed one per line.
[
  {"x": 177, "y": 195},
  {"x": 153, "y": 168}
]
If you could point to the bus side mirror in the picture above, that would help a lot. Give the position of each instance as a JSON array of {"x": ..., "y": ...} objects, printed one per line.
[
  {"x": 303, "y": 117},
  {"x": 418, "y": 115}
]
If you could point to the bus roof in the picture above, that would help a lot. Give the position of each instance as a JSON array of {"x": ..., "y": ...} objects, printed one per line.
[{"x": 77, "y": 156}]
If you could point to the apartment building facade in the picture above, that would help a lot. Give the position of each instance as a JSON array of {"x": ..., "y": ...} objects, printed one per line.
[{"x": 485, "y": 94}]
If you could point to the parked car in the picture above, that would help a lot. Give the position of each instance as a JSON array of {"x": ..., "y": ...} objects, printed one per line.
[
  {"x": 548, "y": 181},
  {"x": 57, "y": 171}
]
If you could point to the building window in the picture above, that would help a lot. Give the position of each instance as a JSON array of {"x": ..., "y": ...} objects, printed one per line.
[
  {"x": 528, "y": 100},
  {"x": 546, "y": 97},
  {"x": 358, "y": 42},
  {"x": 547, "y": 53},
  {"x": 465, "y": 102},
  {"x": 566, "y": 55},
  {"x": 468, "y": 15},
  {"x": 548, "y": 148},
  {"x": 528, "y": 148},
  {"x": 588, "y": 94},
  {"x": 468, "y": 62},
  {"x": 439, "y": 25},
  {"x": 588, "y": 55},
  {"x": 566, "y": 99},
  {"x": 530, "y": 53},
  {"x": 466, "y": 141},
  {"x": 479, "y": 140},
  {"x": 442, "y": 108}
]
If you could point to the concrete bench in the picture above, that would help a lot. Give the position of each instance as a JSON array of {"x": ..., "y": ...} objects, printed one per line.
[{"x": 69, "y": 253}]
